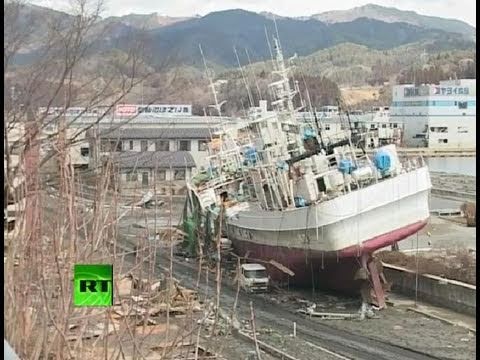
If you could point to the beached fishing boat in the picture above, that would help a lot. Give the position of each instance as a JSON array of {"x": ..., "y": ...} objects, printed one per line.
[{"x": 308, "y": 207}]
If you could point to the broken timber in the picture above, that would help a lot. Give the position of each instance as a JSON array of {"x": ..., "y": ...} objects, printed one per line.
[
  {"x": 268, "y": 348},
  {"x": 330, "y": 316}
]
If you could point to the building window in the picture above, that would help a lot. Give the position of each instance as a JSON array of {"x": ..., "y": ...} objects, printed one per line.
[
  {"x": 384, "y": 126},
  {"x": 84, "y": 151},
  {"x": 185, "y": 109},
  {"x": 179, "y": 174},
  {"x": 184, "y": 145},
  {"x": 440, "y": 129},
  {"x": 132, "y": 176},
  {"x": 442, "y": 141},
  {"x": 162, "y": 145},
  {"x": 130, "y": 145},
  {"x": 161, "y": 175},
  {"x": 202, "y": 145},
  {"x": 143, "y": 145},
  {"x": 327, "y": 126},
  {"x": 462, "y": 130},
  {"x": 110, "y": 145},
  {"x": 462, "y": 105},
  {"x": 372, "y": 126},
  {"x": 145, "y": 178},
  {"x": 395, "y": 126}
]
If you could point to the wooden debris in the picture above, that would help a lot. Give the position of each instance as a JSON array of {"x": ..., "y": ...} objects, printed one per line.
[
  {"x": 282, "y": 268},
  {"x": 268, "y": 348},
  {"x": 329, "y": 316}
]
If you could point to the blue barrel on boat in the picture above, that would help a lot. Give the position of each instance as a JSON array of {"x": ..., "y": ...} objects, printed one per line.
[
  {"x": 345, "y": 166},
  {"x": 299, "y": 201},
  {"x": 251, "y": 155},
  {"x": 382, "y": 161},
  {"x": 308, "y": 134}
]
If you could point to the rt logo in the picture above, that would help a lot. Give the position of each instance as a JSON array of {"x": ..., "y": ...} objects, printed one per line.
[{"x": 93, "y": 285}]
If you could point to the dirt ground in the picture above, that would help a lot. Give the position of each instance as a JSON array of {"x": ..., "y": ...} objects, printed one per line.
[{"x": 395, "y": 325}]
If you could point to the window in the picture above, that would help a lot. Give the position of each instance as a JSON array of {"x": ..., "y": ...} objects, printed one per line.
[
  {"x": 162, "y": 145},
  {"x": 462, "y": 105},
  {"x": 327, "y": 126},
  {"x": 184, "y": 145},
  {"x": 442, "y": 141},
  {"x": 143, "y": 145},
  {"x": 202, "y": 145},
  {"x": 179, "y": 174},
  {"x": 145, "y": 178},
  {"x": 372, "y": 126},
  {"x": 395, "y": 126},
  {"x": 110, "y": 145},
  {"x": 185, "y": 109},
  {"x": 132, "y": 176},
  {"x": 440, "y": 129},
  {"x": 384, "y": 126},
  {"x": 462, "y": 130},
  {"x": 130, "y": 145},
  {"x": 161, "y": 175},
  {"x": 84, "y": 151}
]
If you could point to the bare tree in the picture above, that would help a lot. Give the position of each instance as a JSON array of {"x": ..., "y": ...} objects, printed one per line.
[{"x": 54, "y": 229}]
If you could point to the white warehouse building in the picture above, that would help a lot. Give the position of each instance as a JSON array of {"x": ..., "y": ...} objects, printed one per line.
[{"x": 437, "y": 116}]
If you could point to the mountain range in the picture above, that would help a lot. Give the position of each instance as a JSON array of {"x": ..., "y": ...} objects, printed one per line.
[
  {"x": 369, "y": 45},
  {"x": 176, "y": 40}
]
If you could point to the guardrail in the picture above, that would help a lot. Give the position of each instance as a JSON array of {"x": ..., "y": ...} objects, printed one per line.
[{"x": 451, "y": 294}]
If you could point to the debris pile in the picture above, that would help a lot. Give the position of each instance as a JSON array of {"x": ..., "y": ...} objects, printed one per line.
[{"x": 139, "y": 317}]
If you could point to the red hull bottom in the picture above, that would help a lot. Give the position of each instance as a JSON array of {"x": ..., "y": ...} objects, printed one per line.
[{"x": 324, "y": 270}]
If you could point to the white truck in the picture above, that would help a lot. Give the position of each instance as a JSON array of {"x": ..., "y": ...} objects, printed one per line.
[{"x": 254, "y": 278}]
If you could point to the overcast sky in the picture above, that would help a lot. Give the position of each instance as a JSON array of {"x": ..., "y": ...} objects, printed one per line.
[{"x": 459, "y": 9}]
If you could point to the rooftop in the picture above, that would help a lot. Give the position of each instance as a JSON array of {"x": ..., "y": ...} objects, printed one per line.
[
  {"x": 154, "y": 159},
  {"x": 251, "y": 267},
  {"x": 157, "y": 133}
]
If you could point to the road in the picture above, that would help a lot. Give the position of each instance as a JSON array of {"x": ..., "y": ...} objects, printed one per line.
[{"x": 271, "y": 315}]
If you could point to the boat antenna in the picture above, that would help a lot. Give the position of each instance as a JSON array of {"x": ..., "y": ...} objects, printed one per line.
[
  {"x": 269, "y": 46},
  {"x": 319, "y": 129},
  {"x": 276, "y": 30},
  {"x": 208, "y": 73},
  {"x": 254, "y": 75},
  {"x": 249, "y": 93}
]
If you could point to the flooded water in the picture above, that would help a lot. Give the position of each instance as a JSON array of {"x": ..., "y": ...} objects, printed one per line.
[{"x": 453, "y": 165}]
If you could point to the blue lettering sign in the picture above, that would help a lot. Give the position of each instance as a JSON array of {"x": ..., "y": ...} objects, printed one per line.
[
  {"x": 460, "y": 91},
  {"x": 449, "y": 91},
  {"x": 465, "y": 91}
]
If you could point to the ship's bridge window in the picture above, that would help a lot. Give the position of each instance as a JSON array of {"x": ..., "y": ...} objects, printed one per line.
[{"x": 441, "y": 129}]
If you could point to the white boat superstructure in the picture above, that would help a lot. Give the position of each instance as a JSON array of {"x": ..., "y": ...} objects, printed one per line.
[{"x": 289, "y": 196}]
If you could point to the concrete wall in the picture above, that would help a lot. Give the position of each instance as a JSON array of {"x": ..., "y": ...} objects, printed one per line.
[{"x": 432, "y": 289}]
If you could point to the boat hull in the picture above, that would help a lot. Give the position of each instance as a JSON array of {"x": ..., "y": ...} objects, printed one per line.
[
  {"x": 328, "y": 270},
  {"x": 323, "y": 242}
]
